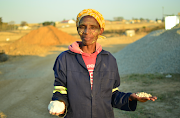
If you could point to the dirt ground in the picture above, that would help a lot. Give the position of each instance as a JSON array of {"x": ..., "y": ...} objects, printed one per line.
[{"x": 26, "y": 84}]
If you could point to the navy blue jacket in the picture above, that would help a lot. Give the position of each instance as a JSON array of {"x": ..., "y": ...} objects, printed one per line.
[{"x": 72, "y": 85}]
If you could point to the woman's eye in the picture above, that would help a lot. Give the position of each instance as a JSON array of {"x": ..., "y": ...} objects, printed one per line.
[
  {"x": 81, "y": 27},
  {"x": 94, "y": 28}
]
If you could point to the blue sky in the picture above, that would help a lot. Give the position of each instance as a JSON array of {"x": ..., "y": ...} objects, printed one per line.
[{"x": 38, "y": 11}]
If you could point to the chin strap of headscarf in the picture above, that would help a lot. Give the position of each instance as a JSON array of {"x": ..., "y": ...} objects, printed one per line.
[{"x": 91, "y": 12}]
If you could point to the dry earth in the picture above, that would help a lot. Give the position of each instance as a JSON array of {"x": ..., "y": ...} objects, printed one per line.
[{"x": 26, "y": 83}]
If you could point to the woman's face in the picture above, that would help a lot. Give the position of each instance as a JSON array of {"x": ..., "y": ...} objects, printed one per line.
[{"x": 89, "y": 30}]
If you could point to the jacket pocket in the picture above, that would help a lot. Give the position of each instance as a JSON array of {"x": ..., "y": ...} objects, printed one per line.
[{"x": 107, "y": 82}]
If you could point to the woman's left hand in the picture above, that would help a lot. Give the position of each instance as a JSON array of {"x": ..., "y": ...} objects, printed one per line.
[{"x": 133, "y": 96}]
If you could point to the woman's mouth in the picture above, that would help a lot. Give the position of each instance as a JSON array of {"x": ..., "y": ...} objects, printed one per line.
[{"x": 86, "y": 38}]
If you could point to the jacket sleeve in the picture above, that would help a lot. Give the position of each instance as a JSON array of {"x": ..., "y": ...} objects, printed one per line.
[
  {"x": 119, "y": 99},
  {"x": 60, "y": 86}
]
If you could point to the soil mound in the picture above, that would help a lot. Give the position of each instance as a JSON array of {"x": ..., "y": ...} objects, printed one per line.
[
  {"x": 48, "y": 36},
  {"x": 39, "y": 41},
  {"x": 158, "y": 52}
]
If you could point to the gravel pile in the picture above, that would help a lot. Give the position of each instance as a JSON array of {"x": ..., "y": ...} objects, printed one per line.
[{"x": 158, "y": 52}]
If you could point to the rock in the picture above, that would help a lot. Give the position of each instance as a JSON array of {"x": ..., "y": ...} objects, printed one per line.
[
  {"x": 3, "y": 56},
  {"x": 168, "y": 76}
]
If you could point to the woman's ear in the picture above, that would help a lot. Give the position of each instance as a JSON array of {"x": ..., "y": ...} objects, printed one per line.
[{"x": 101, "y": 31}]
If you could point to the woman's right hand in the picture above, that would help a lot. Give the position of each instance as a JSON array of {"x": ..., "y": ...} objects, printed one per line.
[{"x": 56, "y": 107}]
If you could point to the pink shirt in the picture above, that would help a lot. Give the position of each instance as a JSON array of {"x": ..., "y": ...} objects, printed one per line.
[{"x": 89, "y": 59}]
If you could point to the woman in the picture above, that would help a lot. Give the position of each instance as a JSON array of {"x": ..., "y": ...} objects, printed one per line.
[{"x": 86, "y": 77}]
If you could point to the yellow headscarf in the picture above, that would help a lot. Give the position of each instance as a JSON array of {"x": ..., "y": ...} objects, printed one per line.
[{"x": 91, "y": 12}]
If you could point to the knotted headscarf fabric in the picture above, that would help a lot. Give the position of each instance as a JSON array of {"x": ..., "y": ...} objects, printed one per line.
[{"x": 91, "y": 12}]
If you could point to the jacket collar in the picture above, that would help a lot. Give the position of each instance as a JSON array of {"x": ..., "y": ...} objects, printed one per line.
[
  {"x": 102, "y": 52},
  {"x": 81, "y": 61}
]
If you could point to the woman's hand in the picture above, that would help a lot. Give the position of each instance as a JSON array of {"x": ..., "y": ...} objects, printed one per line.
[
  {"x": 56, "y": 108},
  {"x": 133, "y": 96}
]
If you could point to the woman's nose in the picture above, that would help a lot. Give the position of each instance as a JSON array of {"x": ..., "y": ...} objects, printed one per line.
[{"x": 87, "y": 30}]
